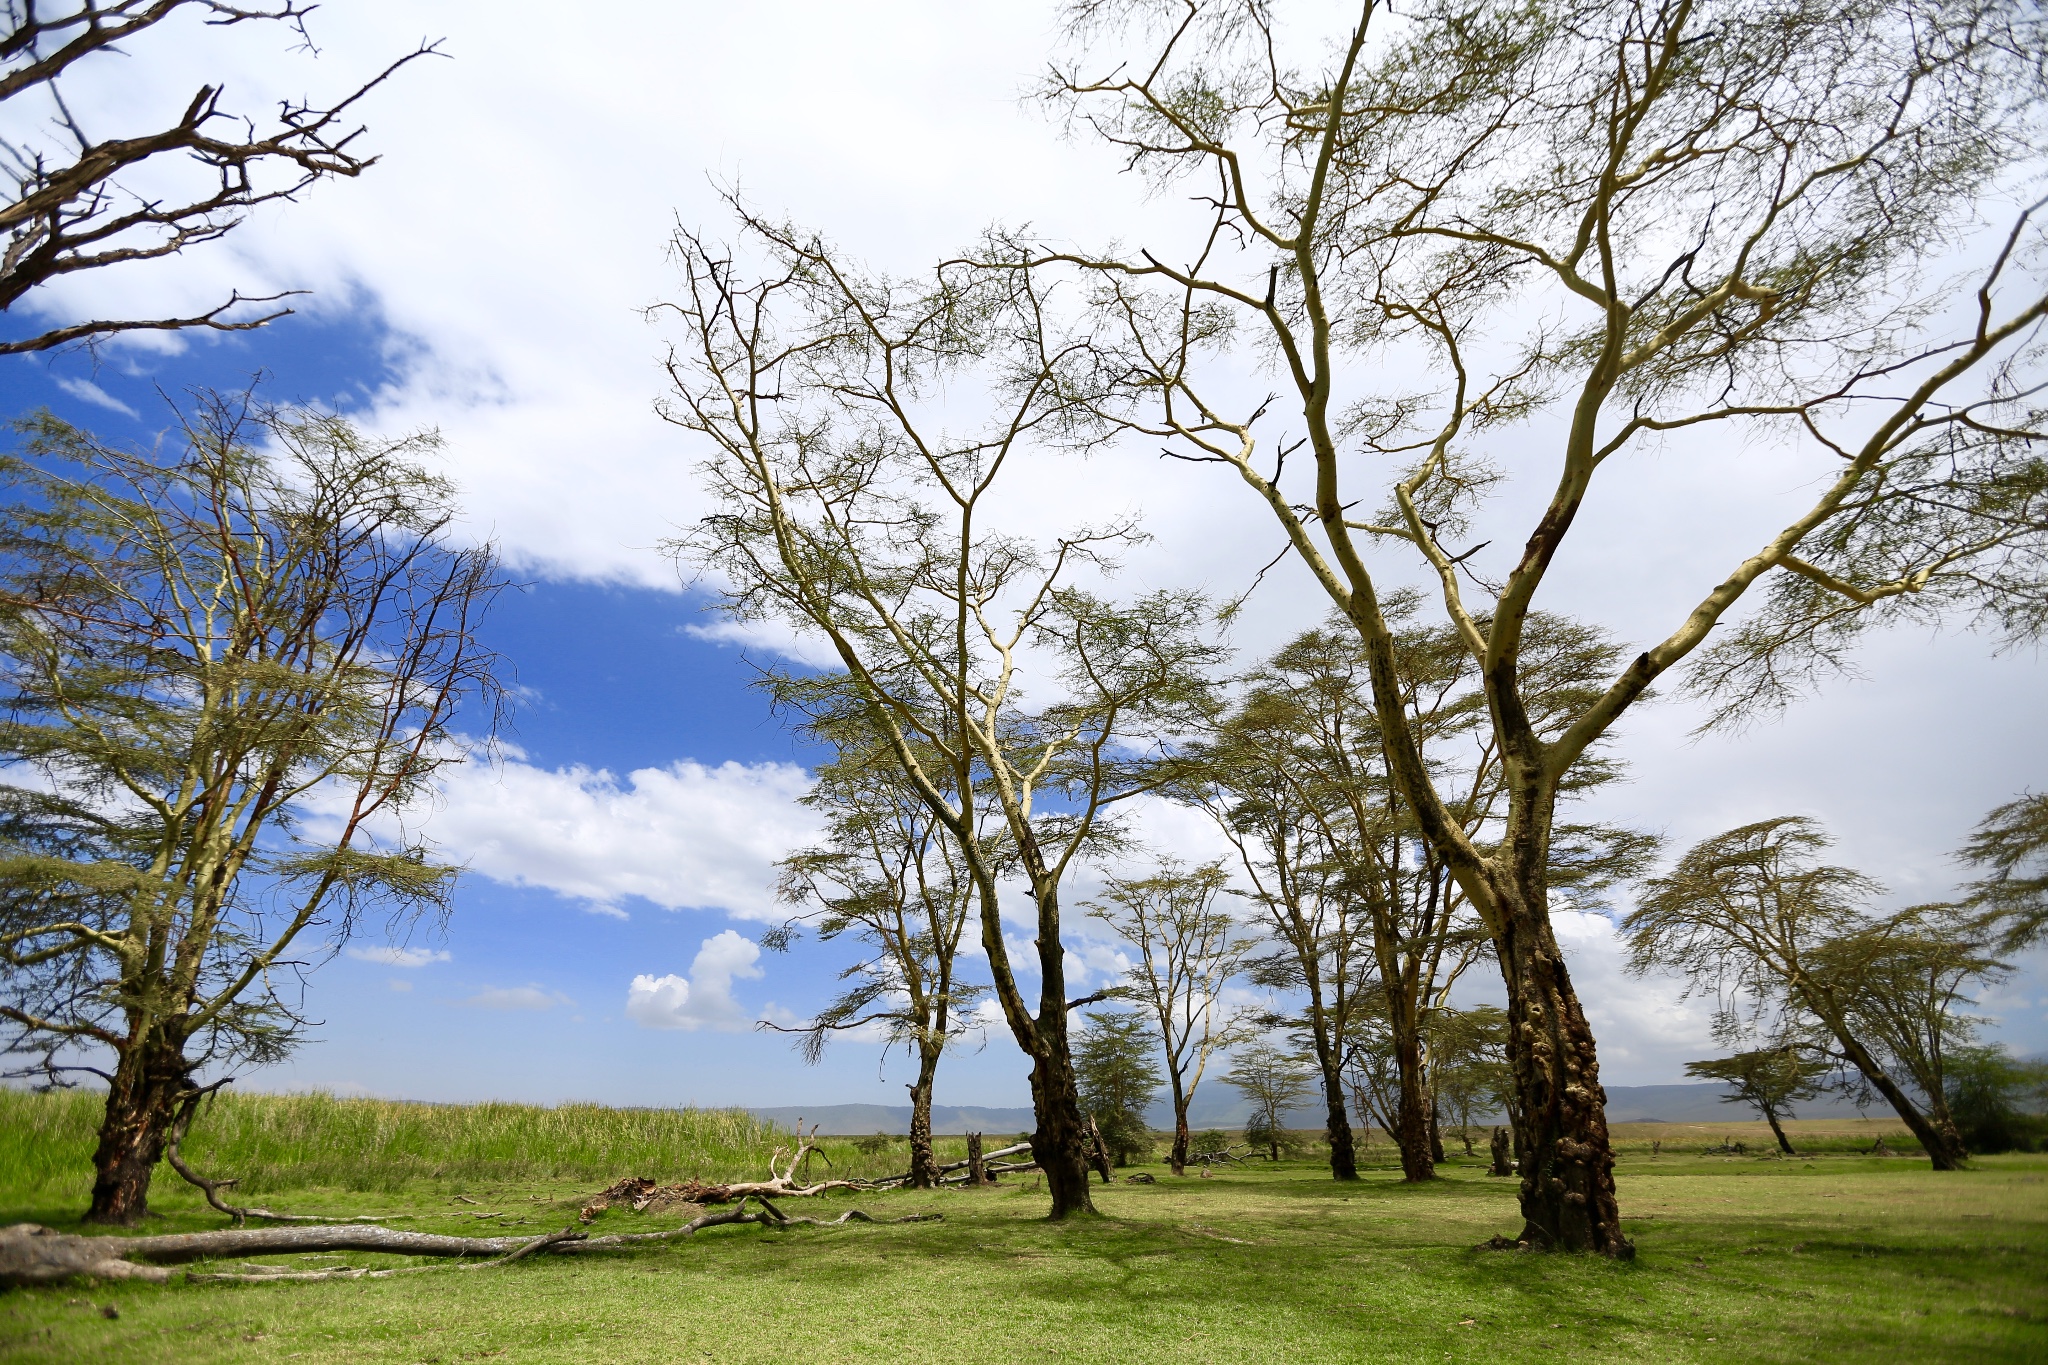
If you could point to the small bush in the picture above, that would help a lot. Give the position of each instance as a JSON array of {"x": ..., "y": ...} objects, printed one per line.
[
  {"x": 1209, "y": 1143},
  {"x": 874, "y": 1144}
]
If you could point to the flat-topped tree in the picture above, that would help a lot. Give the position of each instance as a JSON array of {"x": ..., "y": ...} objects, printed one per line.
[
  {"x": 224, "y": 667},
  {"x": 861, "y": 438},
  {"x": 1590, "y": 231}
]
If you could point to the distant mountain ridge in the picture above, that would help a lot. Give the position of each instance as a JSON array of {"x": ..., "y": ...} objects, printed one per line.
[{"x": 1700, "y": 1103}]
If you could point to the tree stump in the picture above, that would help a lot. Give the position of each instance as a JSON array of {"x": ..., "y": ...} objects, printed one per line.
[
  {"x": 977, "y": 1169},
  {"x": 1503, "y": 1164}
]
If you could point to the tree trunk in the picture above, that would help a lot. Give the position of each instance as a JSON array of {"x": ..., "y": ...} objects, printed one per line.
[
  {"x": 924, "y": 1167},
  {"x": 1436, "y": 1134},
  {"x": 1337, "y": 1127},
  {"x": 1568, "y": 1197},
  {"x": 1060, "y": 1143},
  {"x": 1337, "y": 1121},
  {"x": 977, "y": 1173},
  {"x": 1099, "y": 1152},
  {"x": 1784, "y": 1143},
  {"x": 1501, "y": 1149},
  {"x": 143, "y": 1098},
  {"x": 1178, "y": 1157},
  {"x": 1411, "y": 1120},
  {"x": 1944, "y": 1149}
]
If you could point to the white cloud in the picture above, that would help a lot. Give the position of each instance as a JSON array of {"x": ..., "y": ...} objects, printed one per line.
[
  {"x": 686, "y": 836},
  {"x": 400, "y": 957},
  {"x": 516, "y": 998},
  {"x": 703, "y": 999},
  {"x": 86, "y": 391}
]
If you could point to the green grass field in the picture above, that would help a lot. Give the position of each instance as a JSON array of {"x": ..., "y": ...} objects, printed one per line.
[{"x": 1837, "y": 1257}]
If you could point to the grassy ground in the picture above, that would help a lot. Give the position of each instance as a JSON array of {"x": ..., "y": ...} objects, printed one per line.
[{"x": 1841, "y": 1257}]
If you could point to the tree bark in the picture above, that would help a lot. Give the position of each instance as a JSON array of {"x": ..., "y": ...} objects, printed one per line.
[
  {"x": 1436, "y": 1133},
  {"x": 1177, "y": 1159},
  {"x": 150, "y": 1077},
  {"x": 1784, "y": 1143},
  {"x": 1943, "y": 1144},
  {"x": 1337, "y": 1122},
  {"x": 977, "y": 1171},
  {"x": 924, "y": 1169},
  {"x": 1567, "y": 1161},
  {"x": 1501, "y": 1149},
  {"x": 1411, "y": 1121},
  {"x": 1060, "y": 1142},
  {"x": 1337, "y": 1126}
]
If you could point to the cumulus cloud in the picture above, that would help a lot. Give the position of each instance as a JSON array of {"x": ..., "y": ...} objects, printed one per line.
[
  {"x": 400, "y": 957},
  {"x": 687, "y": 836},
  {"x": 703, "y": 999},
  {"x": 516, "y": 998}
]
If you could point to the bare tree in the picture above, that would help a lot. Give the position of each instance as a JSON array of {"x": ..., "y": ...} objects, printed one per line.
[
  {"x": 1603, "y": 228},
  {"x": 887, "y": 875},
  {"x": 222, "y": 667},
  {"x": 858, "y": 431},
  {"x": 74, "y": 204},
  {"x": 1753, "y": 917},
  {"x": 1188, "y": 950}
]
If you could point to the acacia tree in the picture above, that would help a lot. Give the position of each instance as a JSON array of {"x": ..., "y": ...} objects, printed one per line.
[
  {"x": 77, "y": 202},
  {"x": 1469, "y": 1064},
  {"x": 221, "y": 667},
  {"x": 1753, "y": 917},
  {"x": 1188, "y": 950},
  {"x": 888, "y": 876},
  {"x": 859, "y": 499},
  {"x": 1769, "y": 1079},
  {"x": 1601, "y": 229},
  {"x": 1373, "y": 927},
  {"x": 1273, "y": 1081},
  {"x": 2011, "y": 845},
  {"x": 1118, "y": 1075}
]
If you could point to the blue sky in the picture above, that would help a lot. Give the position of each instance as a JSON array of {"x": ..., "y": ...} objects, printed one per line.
[{"x": 487, "y": 278}]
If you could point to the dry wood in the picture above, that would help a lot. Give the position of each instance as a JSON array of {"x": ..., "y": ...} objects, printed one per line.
[{"x": 37, "y": 1255}]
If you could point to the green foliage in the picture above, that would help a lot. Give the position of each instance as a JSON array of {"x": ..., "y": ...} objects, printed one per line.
[
  {"x": 1117, "y": 1070},
  {"x": 1996, "y": 1100},
  {"x": 874, "y": 1144},
  {"x": 2011, "y": 845},
  {"x": 1209, "y": 1142},
  {"x": 1274, "y": 1081}
]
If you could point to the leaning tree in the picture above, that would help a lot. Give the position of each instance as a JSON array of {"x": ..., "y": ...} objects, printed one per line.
[
  {"x": 1753, "y": 917},
  {"x": 1475, "y": 240},
  {"x": 80, "y": 202},
  {"x": 225, "y": 672},
  {"x": 863, "y": 438}
]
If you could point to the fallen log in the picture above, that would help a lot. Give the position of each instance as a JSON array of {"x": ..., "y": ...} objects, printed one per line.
[
  {"x": 30, "y": 1254},
  {"x": 890, "y": 1182}
]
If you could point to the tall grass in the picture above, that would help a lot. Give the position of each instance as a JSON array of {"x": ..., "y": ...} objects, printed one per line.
[{"x": 274, "y": 1142}]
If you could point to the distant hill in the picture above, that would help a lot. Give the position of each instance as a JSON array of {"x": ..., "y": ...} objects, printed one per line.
[{"x": 1223, "y": 1109}]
